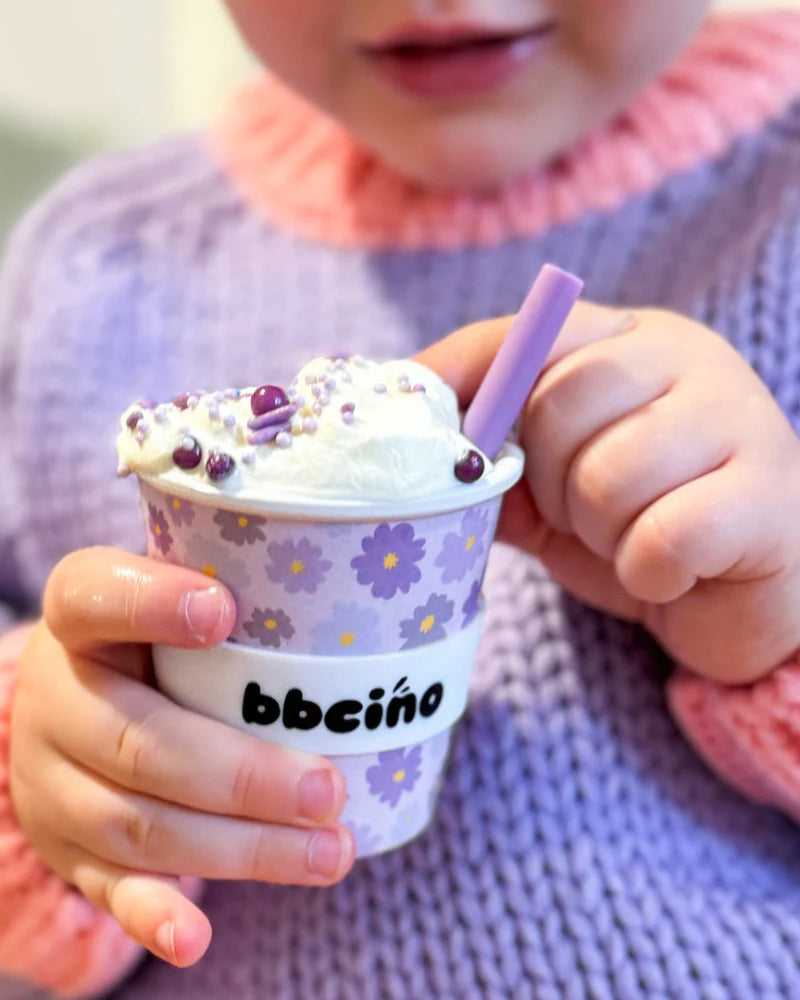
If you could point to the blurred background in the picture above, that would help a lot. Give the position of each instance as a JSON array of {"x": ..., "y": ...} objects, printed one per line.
[{"x": 81, "y": 76}]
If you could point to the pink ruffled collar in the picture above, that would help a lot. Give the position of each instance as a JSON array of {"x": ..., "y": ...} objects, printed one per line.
[{"x": 304, "y": 173}]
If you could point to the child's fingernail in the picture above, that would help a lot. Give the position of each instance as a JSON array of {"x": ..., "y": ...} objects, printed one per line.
[
  {"x": 203, "y": 611},
  {"x": 316, "y": 795},
  {"x": 325, "y": 854},
  {"x": 165, "y": 940}
]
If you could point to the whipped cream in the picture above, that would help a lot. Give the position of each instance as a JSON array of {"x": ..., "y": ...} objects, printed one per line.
[{"x": 344, "y": 429}]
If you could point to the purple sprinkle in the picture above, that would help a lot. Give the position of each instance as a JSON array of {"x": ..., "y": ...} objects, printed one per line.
[
  {"x": 266, "y": 399},
  {"x": 348, "y": 417},
  {"x": 316, "y": 391},
  {"x": 469, "y": 468},
  {"x": 213, "y": 411},
  {"x": 317, "y": 409},
  {"x": 160, "y": 413},
  {"x": 140, "y": 435},
  {"x": 188, "y": 454},
  {"x": 380, "y": 388},
  {"x": 147, "y": 404},
  {"x": 133, "y": 419},
  {"x": 348, "y": 407},
  {"x": 219, "y": 465},
  {"x": 248, "y": 457},
  {"x": 192, "y": 400},
  {"x": 229, "y": 420},
  {"x": 270, "y": 419},
  {"x": 309, "y": 425},
  {"x": 181, "y": 400},
  {"x": 324, "y": 399},
  {"x": 339, "y": 363},
  {"x": 330, "y": 384},
  {"x": 419, "y": 387},
  {"x": 283, "y": 439},
  {"x": 266, "y": 434},
  {"x": 299, "y": 402}
]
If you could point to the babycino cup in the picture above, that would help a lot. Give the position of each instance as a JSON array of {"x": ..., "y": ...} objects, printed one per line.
[{"x": 356, "y": 630}]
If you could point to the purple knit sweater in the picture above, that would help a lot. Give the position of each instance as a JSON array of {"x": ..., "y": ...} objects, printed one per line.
[{"x": 581, "y": 849}]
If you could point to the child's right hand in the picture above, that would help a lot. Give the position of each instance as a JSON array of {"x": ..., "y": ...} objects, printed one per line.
[{"x": 122, "y": 792}]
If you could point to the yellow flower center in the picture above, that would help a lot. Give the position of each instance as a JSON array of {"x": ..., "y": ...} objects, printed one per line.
[
  {"x": 390, "y": 560},
  {"x": 398, "y": 775},
  {"x": 470, "y": 543},
  {"x": 158, "y": 529},
  {"x": 427, "y": 624},
  {"x": 176, "y": 504},
  {"x": 297, "y": 567},
  {"x": 242, "y": 522},
  {"x": 347, "y": 639},
  {"x": 210, "y": 570},
  {"x": 270, "y": 624}
]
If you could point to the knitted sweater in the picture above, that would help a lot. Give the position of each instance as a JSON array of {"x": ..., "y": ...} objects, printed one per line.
[{"x": 582, "y": 849}]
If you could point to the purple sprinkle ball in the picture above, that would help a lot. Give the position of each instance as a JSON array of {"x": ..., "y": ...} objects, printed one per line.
[
  {"x": 283, "y": 439},
  {"x": 267, "y": 398},
  {"x": 133, "y": 419},
  {"x": 380, "y": 388},
  {"x": 469, "y": 468},
  {"x": 188, "y": 454},
  {"x": 348, "y": 407},
  {"x": 419, "y": 387},
  {"x": 348, "y": 416},
  {"x": 229, "y": 420},
  {"x": 219, "y": 465}
]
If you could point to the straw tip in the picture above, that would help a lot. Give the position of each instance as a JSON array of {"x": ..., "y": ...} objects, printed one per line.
[{"x": 567, "y": 280}]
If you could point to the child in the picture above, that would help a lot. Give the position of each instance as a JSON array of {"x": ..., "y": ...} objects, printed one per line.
[{"x": 581, "y": 849}]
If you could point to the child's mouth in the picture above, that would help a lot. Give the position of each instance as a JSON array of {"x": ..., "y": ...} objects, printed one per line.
[{"x": 456, "y": 64}]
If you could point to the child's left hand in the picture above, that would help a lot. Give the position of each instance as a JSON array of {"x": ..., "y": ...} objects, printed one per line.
[{"x": 662, "y": 483}]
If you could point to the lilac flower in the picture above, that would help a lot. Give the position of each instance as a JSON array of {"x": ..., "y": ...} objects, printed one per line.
[
  {"x": 351, "y": 629},
  {"x": 241, "y": 529},
  {"x": 159, "y": 529},
  {"x": 397, "y": 771},
  {"x": 388, "y": 560},
  {"x": 219, "y": 561},
  {"x": 407, "y": 822},
  {"x": 470, "y": 607},
  {"x": 297, "y": 565},
  {"x": 366, "y": 839},
  {"x": 181, "y": 511},
  {"x": 269, "y": 626},
  {"x": 460, "y": 551},
  {"x": 427, "y": 625}
]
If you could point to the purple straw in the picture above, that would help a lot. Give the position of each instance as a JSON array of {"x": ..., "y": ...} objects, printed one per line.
[{"x": 521, "y": 357}]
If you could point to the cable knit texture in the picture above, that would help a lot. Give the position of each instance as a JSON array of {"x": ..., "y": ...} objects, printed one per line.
[{"x": 581, "y": 850}]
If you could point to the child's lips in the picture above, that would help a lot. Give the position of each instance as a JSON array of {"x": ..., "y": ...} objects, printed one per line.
[{"x": 458, "y": 64}]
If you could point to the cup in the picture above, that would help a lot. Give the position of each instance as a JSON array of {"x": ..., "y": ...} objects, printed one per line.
[{"x": 356, "y": 630}]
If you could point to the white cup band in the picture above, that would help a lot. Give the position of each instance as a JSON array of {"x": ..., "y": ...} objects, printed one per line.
[{"x": 334, "y": 705}]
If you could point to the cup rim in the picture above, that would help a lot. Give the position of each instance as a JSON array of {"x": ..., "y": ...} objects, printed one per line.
[{"x": 506, "y": 472}]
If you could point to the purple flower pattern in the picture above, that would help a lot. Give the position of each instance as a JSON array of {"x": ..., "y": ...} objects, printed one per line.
[
  {"x": 219, "y": 561},
  {"x": 297, "y": 565},
  {"x": 241, "y": 529},
  {"x": 397, "y": 771},
  {"x": 461, "y": 550},
  {"x": 427, "y": 623},
  {"x": 470, "y": 607},
  {"x": 351, "y": 630},
  {"x": 159, "y": 529},
  {"x": 388, "y": 563},
  {"x": 269, "y": 626},
  {"x": 181, "y": 511}
]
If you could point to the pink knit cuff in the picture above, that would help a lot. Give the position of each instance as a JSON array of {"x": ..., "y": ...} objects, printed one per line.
[
  {"x": 49, "y": 934},
  {"x": 750, "y": 736}
]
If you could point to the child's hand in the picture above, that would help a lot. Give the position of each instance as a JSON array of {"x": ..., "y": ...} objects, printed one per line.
[
  {"x": 121, "y": 791},
  {"x": 662, "y": 483}
]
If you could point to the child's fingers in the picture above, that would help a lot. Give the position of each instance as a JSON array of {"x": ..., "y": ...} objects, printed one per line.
[
  {"x": 149, "y": 834},
  {"x": 643, "y": 456},
  {"x": 150, "y": 908},
  {"x": 101, "y": 595},
  {"x": 575, "y": 400},
  {"x": 139, "y": 740}
]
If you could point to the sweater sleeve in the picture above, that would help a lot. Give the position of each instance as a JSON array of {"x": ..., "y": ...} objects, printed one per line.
[{"x": 749, "y": 736}]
